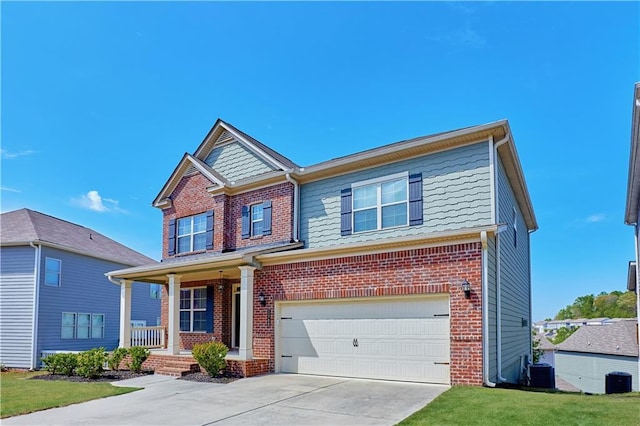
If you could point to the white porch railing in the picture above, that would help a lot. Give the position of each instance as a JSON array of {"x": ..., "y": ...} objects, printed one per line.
[{"x": 149, "y": 337}]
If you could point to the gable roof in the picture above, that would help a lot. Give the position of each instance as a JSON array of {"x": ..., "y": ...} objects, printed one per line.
[
  {"x": 544, "y": 342},
  {"x": 24, "y": 226},
  {"x": 620, "y": 338},
  {"x": 633, "y": 184},
  {"x": 374, "y": 157}
]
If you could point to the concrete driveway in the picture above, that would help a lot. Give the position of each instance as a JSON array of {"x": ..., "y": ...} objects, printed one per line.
[{"x": 282, "y": 399}]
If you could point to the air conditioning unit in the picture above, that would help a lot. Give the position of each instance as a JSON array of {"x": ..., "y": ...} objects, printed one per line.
[
  {"x": 542, "y": 376},
  {"x": 618, "y": 382}
]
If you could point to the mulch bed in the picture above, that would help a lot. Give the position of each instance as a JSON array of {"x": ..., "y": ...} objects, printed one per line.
[{"x": 114, "y": 376}]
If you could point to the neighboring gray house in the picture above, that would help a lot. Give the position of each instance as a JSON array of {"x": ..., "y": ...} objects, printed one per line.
[
  {"x": 408, "y": 261},
  {"x": 548, "y": 350},
  {"x": 632, "y": 211},
  {"x": 53, "y": 291},
  {"x": 594, "y": 351}
]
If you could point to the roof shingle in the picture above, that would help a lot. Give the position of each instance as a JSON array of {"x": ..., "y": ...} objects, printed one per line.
[{"x": 619, "y": 338}]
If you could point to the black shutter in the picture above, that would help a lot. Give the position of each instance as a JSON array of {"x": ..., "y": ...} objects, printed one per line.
[
  {"x": 172, "y": 237},
  {"x": 345, "y": 212},
  {"x": 266, "y": 218},
  {"x": 415, "y": 199},
  {"x": 209, "y": 229},
  {"x": 210, "y": 295},
  {"x": 246, "y": 225}
]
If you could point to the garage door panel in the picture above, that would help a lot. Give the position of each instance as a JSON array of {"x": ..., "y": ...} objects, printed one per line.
[{"x": 368, "y": 339}]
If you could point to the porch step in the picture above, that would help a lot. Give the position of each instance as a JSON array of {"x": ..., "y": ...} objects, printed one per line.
[{"x": 177, "y": 368}]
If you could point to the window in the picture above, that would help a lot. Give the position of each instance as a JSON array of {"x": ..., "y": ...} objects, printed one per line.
[
  {"x": 380, "y": 204},
  {"x": 256, "y": 220},
  {"x": 52, "y": 269},
  {"x": 192, "y": 233},
  {"x": 193, "y": 309},
  {"x": 155, "y": 291},
  {"x": 68, "y": 325},
  {"x": 82, "y": 326}
]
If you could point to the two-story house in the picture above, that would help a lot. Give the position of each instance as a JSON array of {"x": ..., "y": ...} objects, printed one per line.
[
  {"x": 405, "y": 262},
  {"x": 54, "y": 295}
]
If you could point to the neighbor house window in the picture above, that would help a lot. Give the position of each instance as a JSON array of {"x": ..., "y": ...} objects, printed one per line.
[
  {"x": 155, "y": 291},
  {"x": 380, "y": 203},
  {"x": 68, "y": 325},
  {"x": 82, "y": 326},
  {"x": 52, "y": 270},
  {"x": 193, "y": 309},
  {"x": 192, "y": 233}
]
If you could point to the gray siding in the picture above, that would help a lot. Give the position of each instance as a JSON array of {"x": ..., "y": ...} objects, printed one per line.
[
  {"x": 588, "y": 372},
  {"x": 456, "y": 195},
  {"x": 85, "y": 289},
  {"x": 234, "y": 161},
  {"x": 513, "y": 265},
  {"x": 492, "y": 264},
  {"x": 17, "y": 267}
]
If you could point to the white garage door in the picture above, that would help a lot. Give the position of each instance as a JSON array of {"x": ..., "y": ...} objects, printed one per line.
[{"x": 394, "y": 339}]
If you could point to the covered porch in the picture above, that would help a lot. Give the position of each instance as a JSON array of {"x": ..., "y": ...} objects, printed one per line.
[{"x": 203, "y": 300}]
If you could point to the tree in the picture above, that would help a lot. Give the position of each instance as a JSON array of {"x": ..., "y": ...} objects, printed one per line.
[
  {"x": 611, "y": 305},
  {"x": 563, "y": 334}
]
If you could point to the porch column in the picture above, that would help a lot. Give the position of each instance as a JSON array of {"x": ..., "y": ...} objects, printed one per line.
[
  {"x": 245, "y": 351},
  {"x": 173, "y": 345},
  {"x": 125, "y": 313}
]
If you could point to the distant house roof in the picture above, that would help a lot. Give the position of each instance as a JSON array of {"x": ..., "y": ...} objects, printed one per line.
[
  {"x": 544, "y": 342},
  {"x": 21, "y": 227},
  {"x": 620, "y": 338}
]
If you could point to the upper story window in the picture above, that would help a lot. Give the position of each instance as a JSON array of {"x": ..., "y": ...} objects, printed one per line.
[
  {"x": 191, "y": 233},
  {"x": 52, "y": 272},
  {"x": 514, "y": 218},
  {"x": 381, "y": 203},
  {"x": 155, "y": 291},
  {"x": 256, "y": 219}
]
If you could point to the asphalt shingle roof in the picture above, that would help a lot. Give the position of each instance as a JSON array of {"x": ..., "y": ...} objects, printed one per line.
[
  {"x": 620, "y": 338},
  {"x": 23, "y": 226}
]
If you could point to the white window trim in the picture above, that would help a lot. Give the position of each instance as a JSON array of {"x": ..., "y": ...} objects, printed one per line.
[
  {"x": 378, "y": 182},
  {"x": 252, "y": 221},
  {"x": 59, "y": 273},
  {"x": 191, "y": 310},
  {"x": 191, "y": 234}
]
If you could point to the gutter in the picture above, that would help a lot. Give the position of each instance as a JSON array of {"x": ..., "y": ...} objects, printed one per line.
[
  {"x": 36, "y": 301},
  {"x": 296, "y": 206},
  {"x": 498, "y": 265},
  {"x": 485, "y": 312}
]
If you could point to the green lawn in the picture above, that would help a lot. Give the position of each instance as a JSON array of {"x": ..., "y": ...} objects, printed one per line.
[
  {"x": 462, "y": 405},
  {"x": 21, "y": 396}
]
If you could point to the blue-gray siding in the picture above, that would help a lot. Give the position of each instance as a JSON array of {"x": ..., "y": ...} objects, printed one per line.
[
  {"x": 588, "y": 372},
  {"x": 234, "y": 161},
  {"x": 456, "y": 195},
  {"x": 85, "y": 289},
  {"x": 514, "y": 279},
  {"x": 17, "y": 284}
]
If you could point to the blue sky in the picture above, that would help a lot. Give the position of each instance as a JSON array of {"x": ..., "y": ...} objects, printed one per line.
[{"x": 101, "y": 100}]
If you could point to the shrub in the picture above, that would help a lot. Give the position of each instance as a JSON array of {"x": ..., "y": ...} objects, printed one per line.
[
  {"x": 210, "y": 356},
  {"x": 116, "y": 358},
  {"x": 61, "y": 363},
  {"x": 138, "y": 355},
  {"x": 91, "y": 362}
]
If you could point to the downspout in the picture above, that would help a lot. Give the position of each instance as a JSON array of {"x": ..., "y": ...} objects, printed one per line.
[
  {"x": 485, "y": 312},
  {"x": 116, "y": 281},
  {"x": 36, "y": 302},
  {"x": 296, "y": 205},
  {"x": 498, "y": 266}
]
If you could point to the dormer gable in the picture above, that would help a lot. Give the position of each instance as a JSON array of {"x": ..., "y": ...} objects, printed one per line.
[{"x": 231, "y": 160}]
